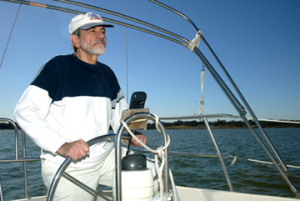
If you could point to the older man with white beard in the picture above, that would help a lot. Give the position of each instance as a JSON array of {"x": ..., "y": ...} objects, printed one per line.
[{"x": 72, "y": 99}]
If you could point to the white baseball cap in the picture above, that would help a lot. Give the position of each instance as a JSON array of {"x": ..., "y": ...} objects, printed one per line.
[{"x": 86, "y": 21}]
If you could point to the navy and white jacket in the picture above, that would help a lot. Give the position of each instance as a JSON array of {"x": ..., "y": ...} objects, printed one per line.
[{"x": 70, "y": 100}]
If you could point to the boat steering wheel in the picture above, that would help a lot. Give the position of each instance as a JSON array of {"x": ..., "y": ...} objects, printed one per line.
[{"x": 61, "y": 172}]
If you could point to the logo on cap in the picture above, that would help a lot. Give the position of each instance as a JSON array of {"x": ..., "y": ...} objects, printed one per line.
[{"x": 94, "y": 16}]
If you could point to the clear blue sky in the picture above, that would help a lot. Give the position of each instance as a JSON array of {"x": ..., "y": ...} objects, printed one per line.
[{"x": 257, "y": 41}]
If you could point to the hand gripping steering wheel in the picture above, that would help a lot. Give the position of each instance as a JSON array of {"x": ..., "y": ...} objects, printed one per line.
[{"x": 61, "y": 172}]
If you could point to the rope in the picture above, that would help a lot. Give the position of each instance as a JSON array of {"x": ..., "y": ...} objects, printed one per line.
[
  {"x": 10, "y": 36},
  {"x": 158, "y": 153},
  {"x": 202, "y": 83},
  {"x": 233, "y": 161},
  {"x": 252, "y": 160}
]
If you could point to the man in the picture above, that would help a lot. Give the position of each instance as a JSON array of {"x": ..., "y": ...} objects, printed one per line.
[{"x": 73, "y": 99}]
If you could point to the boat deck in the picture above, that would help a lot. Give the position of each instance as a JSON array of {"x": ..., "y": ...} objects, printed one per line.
[{"x": 194, "y": 194}]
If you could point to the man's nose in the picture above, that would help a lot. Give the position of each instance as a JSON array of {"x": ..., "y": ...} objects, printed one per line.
[{"x": 100, "y": 34}]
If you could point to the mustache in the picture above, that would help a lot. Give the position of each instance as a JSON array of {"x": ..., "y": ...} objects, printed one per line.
[{"x": 100, "y": 40}]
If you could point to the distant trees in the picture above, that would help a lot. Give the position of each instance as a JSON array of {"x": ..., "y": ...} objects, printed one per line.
[
  {"x": 6, "y": 126},
  {"x": 200, "y": 124},
  {"x": 220, "y": 124}
]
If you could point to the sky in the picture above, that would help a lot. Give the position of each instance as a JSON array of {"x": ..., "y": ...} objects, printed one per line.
[{"x": 257, "y": 42}]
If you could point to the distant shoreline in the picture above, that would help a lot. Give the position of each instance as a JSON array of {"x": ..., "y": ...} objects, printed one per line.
[
  {"x": 222, "y": 124},
  {"x": 226, "y": 127},
  {"x": 219, "y": 124}
]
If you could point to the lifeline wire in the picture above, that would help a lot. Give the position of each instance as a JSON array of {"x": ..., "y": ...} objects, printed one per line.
[{"x": 10, "y": 36}]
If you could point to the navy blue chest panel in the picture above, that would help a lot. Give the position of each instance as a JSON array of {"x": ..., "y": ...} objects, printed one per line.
[{"x": 67, "y": 76}]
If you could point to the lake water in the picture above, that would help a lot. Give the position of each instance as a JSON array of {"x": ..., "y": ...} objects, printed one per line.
[{"x": 202, "y": 172}]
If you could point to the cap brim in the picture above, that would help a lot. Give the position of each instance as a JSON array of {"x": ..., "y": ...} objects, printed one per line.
[{"x": 88, "y": 26}]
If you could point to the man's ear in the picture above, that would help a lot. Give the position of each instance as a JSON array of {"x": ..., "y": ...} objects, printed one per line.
[{"x": 75, "y": 41}]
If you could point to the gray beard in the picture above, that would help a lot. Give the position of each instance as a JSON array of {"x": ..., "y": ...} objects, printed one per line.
[{"x": 91, "y": 50}]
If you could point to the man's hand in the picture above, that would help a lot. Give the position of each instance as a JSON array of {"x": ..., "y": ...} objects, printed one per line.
[
  {"x": 140, "y": 136},
  {"x": 76, "y": 150}
]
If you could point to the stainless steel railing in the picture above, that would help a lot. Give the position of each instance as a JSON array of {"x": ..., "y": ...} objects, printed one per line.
[{"x": 17, "y": 159}]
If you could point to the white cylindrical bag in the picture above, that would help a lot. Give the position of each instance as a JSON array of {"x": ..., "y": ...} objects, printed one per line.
[{"x": 136, "y": 185}]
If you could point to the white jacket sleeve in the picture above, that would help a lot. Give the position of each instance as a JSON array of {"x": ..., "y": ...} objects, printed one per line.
[{"x": 30, "y": 114}]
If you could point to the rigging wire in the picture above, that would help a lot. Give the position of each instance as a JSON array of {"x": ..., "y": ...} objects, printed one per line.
[
  {"x": 10, "y": 36},
  {"x": 126, "y": 52}
]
